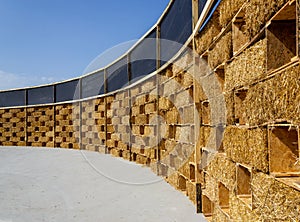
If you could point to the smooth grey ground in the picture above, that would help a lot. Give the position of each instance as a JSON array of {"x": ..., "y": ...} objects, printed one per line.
[{"x": 40, "y": 184}]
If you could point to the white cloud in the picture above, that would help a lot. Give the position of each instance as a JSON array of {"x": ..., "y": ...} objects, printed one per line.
[{"x": 11, "y": 80}]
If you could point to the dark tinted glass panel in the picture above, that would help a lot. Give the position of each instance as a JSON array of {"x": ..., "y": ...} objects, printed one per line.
[
  {"x": 12, "y": 98},
  {"x": 117, "y": 75},
  {"x": 67, "y": 91},
  {"x": 201, "y": 6},
  {"x": 176, "y": 28},
  {"x": 93, "y": 85},
  {"x": 143, "y": 57},
  {"x": 41, "y": 95}
]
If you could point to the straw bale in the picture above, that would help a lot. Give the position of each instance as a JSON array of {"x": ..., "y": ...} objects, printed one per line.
[
  {"x": 148, "y": 85},
  {"x": 172, "y": 116},
  {"x": 187, "y": 80},
  {"x": 191, "y": 191},
  {"x": 164, "y": 104},
  {"x": 150, "y": 108},
  {"x": 228, "y": 9},
  {"x": 247, "y": 67},
  {"x": 221, "y": 52},
  {"x": 211, "y": 188},
  {"x": 258, "y": 12},
  {"x": 208, "y": 34},
  {"x": 275, "y": 201},
  {"x": 184, "y": 134},
  {"x": 219, "y": 215},
  {"x": 182, "y": 99},
  {"x": 204, "y": 135},
  {"x": 126, "y": 154},
  {"x": 188, "y": 115},
  {"x": 185, "y": 168},
  {"x": 183, "y": 62},
  {"x": 121, "y": 95},
  {"x": 275, "y": 99},
  {"x": 109, "y": 99},
  {"x": 199, "y": 92},
  {"x": 229, "y": 100},
  {"x": 223, "y": 169},
  {"x": 239, "y": 211},
  {"x": 172, "y": 179},
  {"x": 205, "y": 113},
  {"x": 140, "y": 159},
  {"x": 247, "y": 146},
  {"x": 141, "y": 119},
  {"x": 7, "y": 143}
]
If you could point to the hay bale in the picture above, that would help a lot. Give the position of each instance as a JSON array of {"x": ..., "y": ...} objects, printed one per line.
[
  {"x": 206, "y": 37},
  {"x": 199, "y": 93},
  {"x": 191, "y": 191},
  {"x": 275, "y": 201},
  {"x": 247, "y": 146},
  {"x": 223, "y": 169},
  {"x": 220, "y": 216},
  {"x": 204, "y": 135},
  {"x": 210, "y": 188},
  {"x": 221, "y": 52},
  {"x": 228, "y": 9},
  {"x": 258, "y": 12},
  {"x": 229, "y": 100},
  {"x": 172, "y": 179},
  {"x": 275, "y": 99},
  {"x": 182, "y": 63},
  {"x": 239, "y": 211},
  {"x": 248, "y": 67}
]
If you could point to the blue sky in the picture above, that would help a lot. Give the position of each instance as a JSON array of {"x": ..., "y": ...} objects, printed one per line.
[{"x": 44, "y": 41}]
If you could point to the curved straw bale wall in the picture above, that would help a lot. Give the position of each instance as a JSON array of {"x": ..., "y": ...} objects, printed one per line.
[{"x": 252, "y": 48}]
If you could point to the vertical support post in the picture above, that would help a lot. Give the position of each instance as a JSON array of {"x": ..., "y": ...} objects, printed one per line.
[
  {"x": 26, "y": 116},
  {"x": 197, "y": 134},
  {"x": 199, "y": 198},
  {"x": 157, "y": 97},
  {"x": 130, "y": 104},
  {"x": 105, "y": 111},
  {"x": 80, "y": 114},
  {"x": 54, "y": 115},
  {"x": 195, "y": 13}
]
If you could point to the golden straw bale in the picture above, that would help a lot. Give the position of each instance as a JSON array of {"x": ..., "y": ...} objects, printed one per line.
[
  {"x": 221, "y": 52},
  {"x": 206, "y": 37},
  {"x": 258, "y": 12},
  {"x": 247, "y": 67},
  {"x": 247, "y": 146},
  {"x": 191, "y": 191},
  {"x": 273, "y": 200},
  {"x": 239, "y": 211},
  {"x": 219, "y": 216},
  {"x": 275, "y": 99},
  {"x": 229, "y": 100},
  {"x": 228, "y": 9},
  {"x": 211, "y": 188},
  {"x": 223, "y": 169}
]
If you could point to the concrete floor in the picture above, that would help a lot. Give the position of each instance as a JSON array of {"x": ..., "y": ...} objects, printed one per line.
[{"x": 39, "y": 184}]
